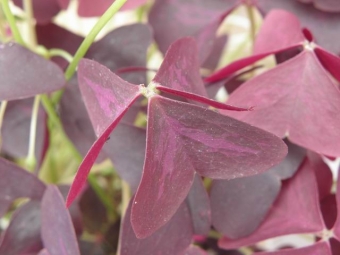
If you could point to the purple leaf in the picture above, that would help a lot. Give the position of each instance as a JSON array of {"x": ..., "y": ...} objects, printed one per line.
[
  {"x": 199, "y": 205},
  {"x": 108, "y": 51},
  {"x": 43, "y": 10},
  {"x": 16, "y": 128},
  {"x": 240, "y": 205},
  {"x": 184, "y": 138},
  {"x": 336, "y": 228},
  {"x": 329, "y": 210},
  {"x": 57, "y": 230},
  {"x": 313, "y": 19},
  {"x": 287, "y": 101},
  {"x": 107, "y": 98},
  {"x": 53, "y": 36},
  {"x": 173, "y": 238},
  {"x": 25, "y": 74},
  {"x": 23, "y": 233},
  {"x": 291, "y": 163},
  {"x": 213, "y": 58},
  {"x": 296, "y": 210},
  {"x": 325, "y": 5},
  {"x": 64, "y": 3},
  {"x": 89, "y": 8},
  {"x": 15, "y": 183},
  {"x": 184, "y": 18},
  {"x": 44, "y": 252},
  {"x": 319, "y": 248},
  {"x": 280, "y": 30},
  {"x": 127, "y": 140},
  {"x": 180, "y": 68},
  {"x": 76, "y": 121},
  {"x": 330, "y": 62}
]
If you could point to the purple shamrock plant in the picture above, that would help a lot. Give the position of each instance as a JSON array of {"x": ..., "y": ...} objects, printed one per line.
[{"x": 182, "y": 138}]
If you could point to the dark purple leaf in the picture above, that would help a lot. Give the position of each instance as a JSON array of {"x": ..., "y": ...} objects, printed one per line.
[
  {"x": 43, "y": 10},
  {"x": 194, "y": 250},
  {"x": 53, "y": 36},
  {"x": 25, "y": 74},
  {"x": 126, "y": 149},
  {"x": 15, "y": 183},
  {"x": 296, "y": 210},
  {"x": 199, "y": 206},
  {"x": 16, "y": 129},
  {"x": 319, "y": 248},
  {"x": 57, "y": 231},
  {"x": 184, "y": 18},
  {"x": 336, "y": 228},
  {"x": 329, "y": 210},
  {"x": 89, "y": 8},
  {"x": 180, "y": 68},
  {"x": 324, "y": 176},
  {"x": 287, "y": 102},
  {"x": 325, "y": 5},
  {"x": 107, "y": 98},
  {"x": 64, "y": 3},
  {"x": 108, "y": 51},
  {"x": 335, "y": 246},
  {"x": 173, "y": 238},
  {"x": 213, "y": 58},
  {"x": 184, "y": 138},
  {"x": 291, "y": 163},
  {"x": 23, "y": 233},
  {"x": 330, "y": 62},
  {"x": 317, "y": 21},
  {"x": 239, "y": 206},
  {"x": 76, "y": 121}
]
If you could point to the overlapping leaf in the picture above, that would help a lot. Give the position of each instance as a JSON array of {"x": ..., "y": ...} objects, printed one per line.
[
  {"x": 56, "y": 226},
  {"x": 296, "y": 210},
  {"x": 107, "y": 98},
  {"x": 25, "y": 74},
  {"x": 182, "y": 139},
  {"x": 171, "y": 239},
  {"x": 15, "y": 182},
  {"x": 315, "y": 20},
  {"x": 287, "y": 100},
  {"x": 186, "y": 19}
]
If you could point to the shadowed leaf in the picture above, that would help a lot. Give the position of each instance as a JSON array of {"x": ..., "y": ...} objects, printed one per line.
[
  {"x": 57, "y": 230},
  {"x": 330, "y": 62},
  {"x": 26, "y": 74}
]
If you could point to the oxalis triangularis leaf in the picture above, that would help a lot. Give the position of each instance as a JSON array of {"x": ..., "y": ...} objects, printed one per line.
[{"x": 182, "y": 138}]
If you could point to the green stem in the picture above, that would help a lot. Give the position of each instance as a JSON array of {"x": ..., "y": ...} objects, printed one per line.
[
  {"x": 60, "y": 53},
  {"x": 32, "y": 38},
  {"x": 110, "y": 12},
  {"x": 250, "y": 11},
  {"x": 30, "y": 159},
  {"x": 11, "y": 21}
]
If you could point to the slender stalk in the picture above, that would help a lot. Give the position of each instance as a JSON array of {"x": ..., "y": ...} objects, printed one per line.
[
  {"x": 110, "y": 12},
  {"x": 11, "y": 21},
  {"x": 250, "y": 11},
  {"x": 60, "y": 53},
  {"x": 2, "y": 26},
  {"x": 32, "y": 38},
  {"x": 126, "y": 195},
  {"x": 2, "y": 114},
  {"x": 30, "y": 159}
]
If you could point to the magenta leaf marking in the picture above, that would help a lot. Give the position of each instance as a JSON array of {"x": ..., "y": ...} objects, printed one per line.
[
  {"x": 173, "y": 238},
  {"x": 26, "y": 74},
  {"x": 120, "y": 98},
  {"x": 180, "y": 68},
  {"x": 287, "y": 100},
  {"x": 57, "y": 230},
  {"x": 295, "y": 211},
  {"x": 105, "y": 95},
  {"x": 184, "y": 138}
]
